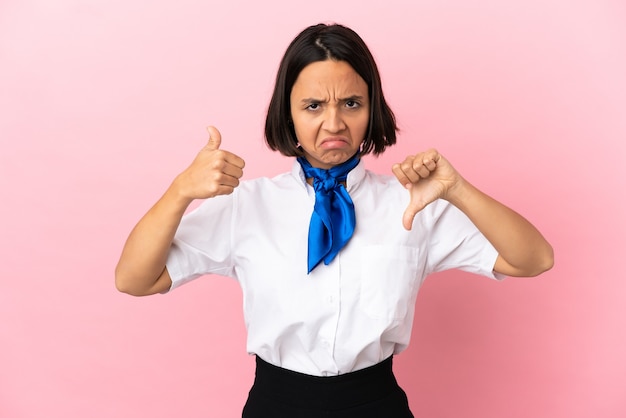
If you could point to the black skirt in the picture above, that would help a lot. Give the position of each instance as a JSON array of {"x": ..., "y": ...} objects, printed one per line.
[{"x": 372, "y": 392}]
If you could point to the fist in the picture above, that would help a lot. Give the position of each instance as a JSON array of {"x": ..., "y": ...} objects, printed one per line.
[
  {"x": 428, "y": 176},
  {"x": 213, "y": 172}
]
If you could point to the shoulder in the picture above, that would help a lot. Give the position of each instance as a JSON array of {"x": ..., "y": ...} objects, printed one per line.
[
  {"x": 384, "y": 188},
  {"x": 385, "y": 179},
  {"x": 283, "y": 181}
]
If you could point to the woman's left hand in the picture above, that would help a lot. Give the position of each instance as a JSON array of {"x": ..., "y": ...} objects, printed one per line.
[
  {"x": 522, "y": 250},
  {"x": 428, "y": 177}
]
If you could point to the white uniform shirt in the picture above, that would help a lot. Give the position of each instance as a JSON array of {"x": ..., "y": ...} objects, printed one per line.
[{"x": 345, "y": 316}]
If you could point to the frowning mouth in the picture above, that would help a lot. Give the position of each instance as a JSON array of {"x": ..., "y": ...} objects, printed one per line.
[{"x": 334, "y": 142}]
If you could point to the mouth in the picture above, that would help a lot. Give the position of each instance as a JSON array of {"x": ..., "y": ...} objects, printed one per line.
[{"x": 333, "y": 142}]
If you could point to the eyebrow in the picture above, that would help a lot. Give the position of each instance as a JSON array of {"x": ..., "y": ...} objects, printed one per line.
[{"x": 354, "y": 97}]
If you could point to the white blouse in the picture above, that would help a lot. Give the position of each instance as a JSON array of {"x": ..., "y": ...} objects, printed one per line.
[{"x": 342, "y": 317}]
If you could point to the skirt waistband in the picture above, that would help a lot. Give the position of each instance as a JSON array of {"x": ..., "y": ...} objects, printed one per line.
[{"x": 334, "y": 392}]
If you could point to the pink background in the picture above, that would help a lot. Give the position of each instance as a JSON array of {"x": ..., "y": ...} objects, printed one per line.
[{"x": 103, "y": 102}]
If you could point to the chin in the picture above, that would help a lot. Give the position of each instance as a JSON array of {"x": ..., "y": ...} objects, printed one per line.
[{"x": 337, "y": 159}]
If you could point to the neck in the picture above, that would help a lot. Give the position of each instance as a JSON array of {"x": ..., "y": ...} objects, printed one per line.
[{"x": 309, "y": 181}]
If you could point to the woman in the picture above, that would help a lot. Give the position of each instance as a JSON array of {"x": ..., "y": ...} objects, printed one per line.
[{"x": 329, "y": 256}]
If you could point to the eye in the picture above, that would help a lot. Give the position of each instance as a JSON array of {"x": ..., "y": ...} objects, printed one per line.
[
  {"x": 352, "y": 104},
  {"x": 313, "y": 106}
]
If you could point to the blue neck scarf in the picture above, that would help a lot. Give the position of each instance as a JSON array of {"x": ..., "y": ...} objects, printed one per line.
[{"x": 333, "y": 220}]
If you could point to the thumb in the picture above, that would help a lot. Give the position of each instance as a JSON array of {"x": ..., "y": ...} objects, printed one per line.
[
  {"x": 215, "y": 138},
  {"x": 409, "y": 216},
  {"x": 415, "y": 205}
]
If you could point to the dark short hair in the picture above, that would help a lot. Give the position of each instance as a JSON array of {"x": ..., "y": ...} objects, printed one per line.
[{"x": 319, "y": 43}]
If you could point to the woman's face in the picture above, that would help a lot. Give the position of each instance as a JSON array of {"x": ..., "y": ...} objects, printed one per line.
[{"x": 330, "y": 109}]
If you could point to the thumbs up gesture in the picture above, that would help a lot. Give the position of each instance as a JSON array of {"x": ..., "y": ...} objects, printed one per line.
[
  {"x": 428, "y": 176},
  {"x": 212, "y": 173}
]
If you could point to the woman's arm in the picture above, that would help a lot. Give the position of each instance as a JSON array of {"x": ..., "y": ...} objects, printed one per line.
[
  {"x": 522, "y": 250},
  {"x": 141, "y": 269}
]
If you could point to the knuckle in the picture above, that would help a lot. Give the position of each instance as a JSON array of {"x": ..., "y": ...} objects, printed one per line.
[{"x": 218, "y": 164}]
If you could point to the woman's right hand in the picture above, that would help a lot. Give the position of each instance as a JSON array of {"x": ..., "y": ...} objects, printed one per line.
[
  {"x": 141, "y": 270},
  {"x": 212, "y": 173}
]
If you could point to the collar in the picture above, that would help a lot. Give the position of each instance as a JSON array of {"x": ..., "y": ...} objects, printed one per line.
[{"x": 354, "y": 177}]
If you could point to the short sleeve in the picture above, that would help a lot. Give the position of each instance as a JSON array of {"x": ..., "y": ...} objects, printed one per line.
[
  {"x": 202, "y": 244},
  {"x": 456, "y": 243}
]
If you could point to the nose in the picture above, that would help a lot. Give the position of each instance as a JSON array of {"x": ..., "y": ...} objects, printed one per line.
[{"x": 333, "y": 122}]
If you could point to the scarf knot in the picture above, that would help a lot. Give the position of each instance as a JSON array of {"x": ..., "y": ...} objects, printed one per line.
[
  {"x": 333, "y": 219},
  {"x": 325, "y": 183}
]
